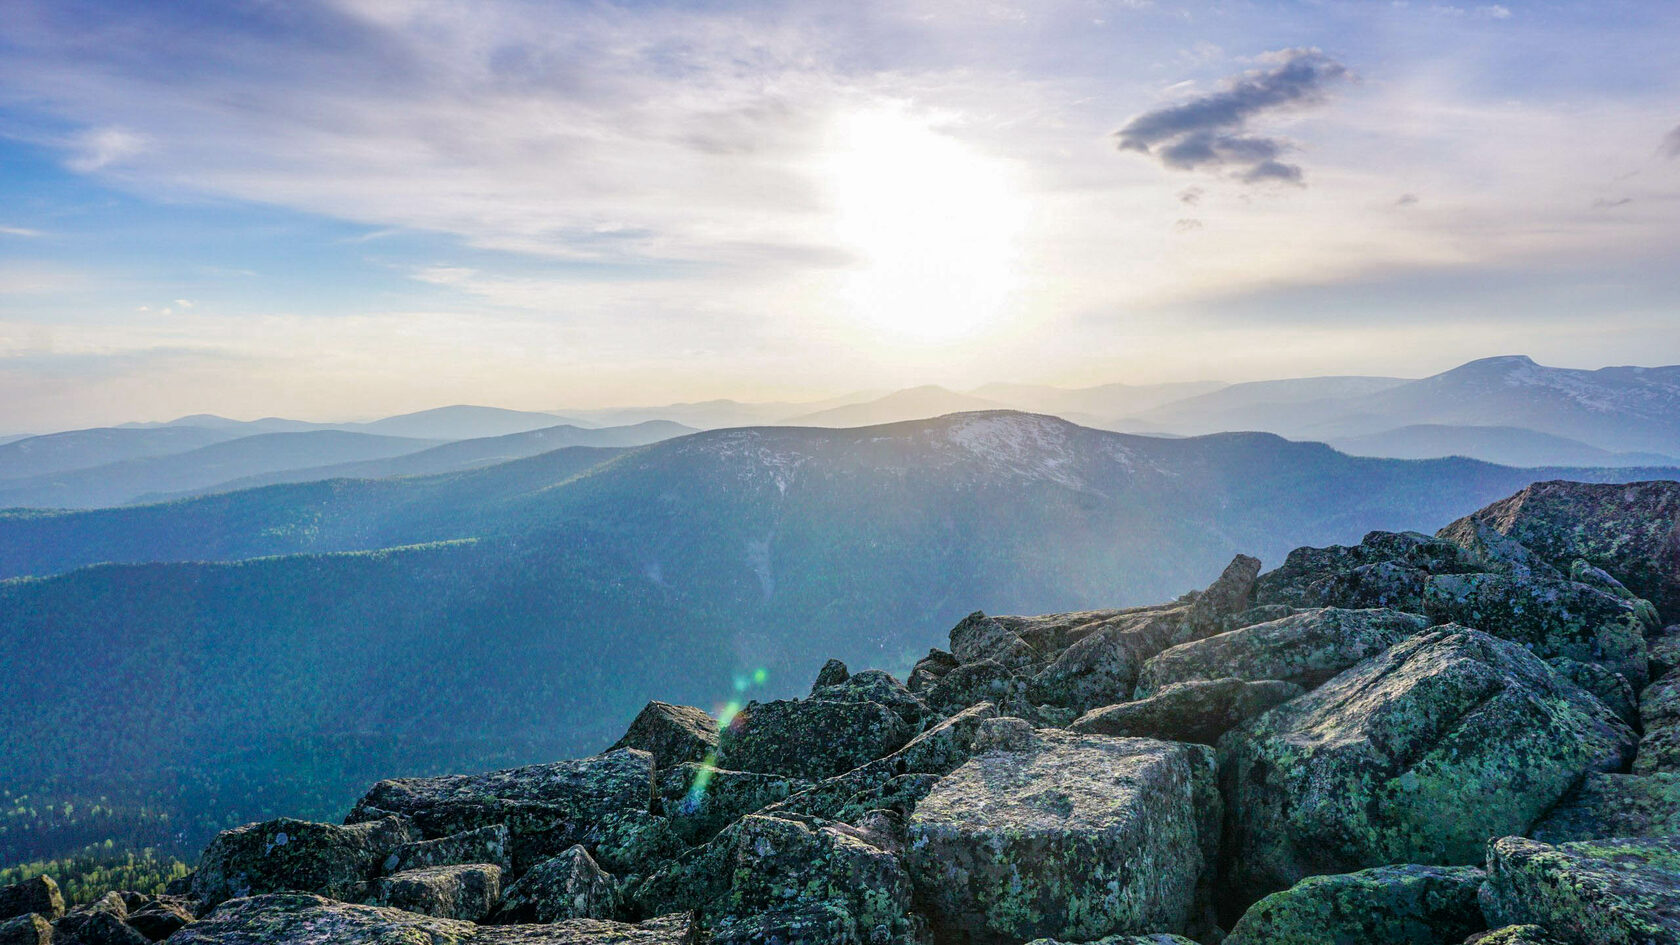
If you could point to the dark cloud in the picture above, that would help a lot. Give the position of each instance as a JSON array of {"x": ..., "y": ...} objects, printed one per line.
[
  {"x": 1671, "y": 144},
  {"x": 1406, "y": 200},
  {"x": 1191, "y": 196},
  {"x": 1605, "y": 203},
  {"x": 1210, "y": 132},
  {"x": 1187, "y": 224}
]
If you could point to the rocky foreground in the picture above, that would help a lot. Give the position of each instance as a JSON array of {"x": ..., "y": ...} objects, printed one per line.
[{"x": 1471, "y": 737}]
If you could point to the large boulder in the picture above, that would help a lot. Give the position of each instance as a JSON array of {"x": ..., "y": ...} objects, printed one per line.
[
  {"x": 39, "y": 896},
  {"x": 602, "y": 802},
  {"x": 1387, "y": 905},
  {"x": 810, "y": 738},
  {"x": 1306, "y": 649},
  {"x": 569, "y": 886},
  {"x": 1418, "y": 755},
  {"x": 1072, "y": 836},
  {"x": 27, "y": 929},
  {"x": 1631, "y": 530},
  {"x": 160, "y": 917},
  {"x": 700, "y": 800},
  {"x": 303, "y": 919},
  {"x": 1102, "y": 668},
  {"x": 1615, "y": 805},
  {"x": 1659, "y": 712},
  {"x": 1199, "y": 711},
  {"x": 1597, "y": 892},
  {"x": 1214, "y": 609},
  {"x": 484, "y": 845},
  {"x": 672, "y": 734},
  {"x": 96, "y": 927},
  {"x": 287, "y": 855},
  {"x": 1303, "y": 578},
  {"x": 973, "y": 683},
  {"x": 467, "y": 892},
  {"x": 795, "y": 880}
]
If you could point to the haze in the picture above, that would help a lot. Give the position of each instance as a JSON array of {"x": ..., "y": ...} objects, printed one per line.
[{"x": 350, "y": 209}]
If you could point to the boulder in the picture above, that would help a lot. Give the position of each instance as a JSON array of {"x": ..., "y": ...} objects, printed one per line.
[
  {"x": 569, "y": 886},
  {"x": 1387, "y": 905},
  {"x": 672, "y": 734},
  {"x": 39, "y": 896},
  {"x": 484, "y": 845},
  {"x": 1659, "y": 711},
  {"x": 1631, "y": 530},
  {"x": 298, "y": 856},
  {"x": 1102, "y": 668},
  {"x": 1596, "y": 892},
  {"x": 97, "y": 927},
  {"x": 303, "y": 919},
  {"x": 879, "y": 687},
  {"x": 882, "y": 784},
  {"x": 1514, "y": 935},
  {"x": 161, "y": 917},
  {"x": 1161, "y": 939},
  {"x": 973, "y": 683},
  {"x": 467, "y": 892},
  {"x": 804, "y": 882},
  {"x": 28, "y": 929},
  {"x": 1072, "y": 836},
  {"x": 979, "y": 637},
  {"x": 1610, "y": 688},
  {"x": 1615, "y": 805},
  {"x": 1198, "y": 711},
  {"x": 832, "y": 673},
  {"x": 700, "y": 800},
  {"x": 602, "y": 802},
  {"x": 1417, "y": 755},
  {"x": 929, "y": 670},
  {"x": 1662, "y": 651},
  {"x": 1214, "y": 610},
  {"x": 1305, "y": 648},
  {"x": 810, "y": 738},
  {"x": 1300, "y": 581}
]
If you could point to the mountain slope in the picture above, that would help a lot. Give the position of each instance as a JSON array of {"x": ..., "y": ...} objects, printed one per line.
[
  {"x": 31, "y": 456},
  {"x": 680, "y": 569},
  {"x": 1282, "y": 406},
  {"x": 117, "y": 483},
  {"x": 459, "y": 455},
  {"x": 460, "y": 422},
  {"x": 1508, "y": 446}
]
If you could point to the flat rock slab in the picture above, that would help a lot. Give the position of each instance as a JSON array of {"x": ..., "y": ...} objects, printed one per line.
[
  {"x": 1598, "y": 892},
  {"x": 1306, "y": 649},
  {"x": 1419, "y": 755},
  {"x": 1072, "y": 836},
  {"x": 1198, "y": 711},
  {"x": 1392, "y": 905},
  {"x": 484, "y": 845},
  {"x": 810, "y": 739}
]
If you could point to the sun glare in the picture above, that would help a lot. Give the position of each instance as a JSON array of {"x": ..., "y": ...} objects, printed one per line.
[{"x": 933, "y": 223}]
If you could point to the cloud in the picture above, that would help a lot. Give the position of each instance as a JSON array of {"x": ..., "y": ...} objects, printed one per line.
[
  {"x": 1191, "y": 196},
  {"x": 99, "y": 148},
  {"x": 1211, "y": 131},
  {"x": 1406, "y": 200},
  {"x": 1671, "y": 144},
  {"x": 1605, "y": 203},
  {"x": 21, "y": 231}
]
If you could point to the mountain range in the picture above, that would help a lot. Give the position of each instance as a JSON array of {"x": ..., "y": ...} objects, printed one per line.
[{"x": 524, "y": 610}]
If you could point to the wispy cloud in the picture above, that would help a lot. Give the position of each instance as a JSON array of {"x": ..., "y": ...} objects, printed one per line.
[
  {"x": 1212, "y": 131},
  {"x": 21, "y": 231},
  {"x": 1671, "y": 144}
]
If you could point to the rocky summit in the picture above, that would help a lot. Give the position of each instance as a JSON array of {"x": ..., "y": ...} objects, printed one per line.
[{"x": 1467, "y": 737}]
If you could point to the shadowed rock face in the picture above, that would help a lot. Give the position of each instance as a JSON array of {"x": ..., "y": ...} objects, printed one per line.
[
  {"x": 1198, "y": 711},
  {"x": 1067, "y": 835},
  {"x": 39, "y": 896},
  {"x": 1630, "y": 530},
  {"x": 673, "y": 734},
  {"x": 1605, "y": 892},
  {"x": 288, "y": 855},
  {"x": 1615, "y": 805},
  {"x": 1419, "y": 755}
]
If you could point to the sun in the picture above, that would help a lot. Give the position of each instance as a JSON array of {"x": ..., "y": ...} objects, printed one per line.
[{"x": 933, "y": 224}]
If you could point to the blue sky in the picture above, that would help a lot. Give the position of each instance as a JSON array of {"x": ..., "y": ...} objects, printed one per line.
[{"x": 359, "y": 207}]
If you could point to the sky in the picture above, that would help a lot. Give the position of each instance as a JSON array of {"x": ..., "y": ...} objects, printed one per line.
[{"x": 331, "y": 209}]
